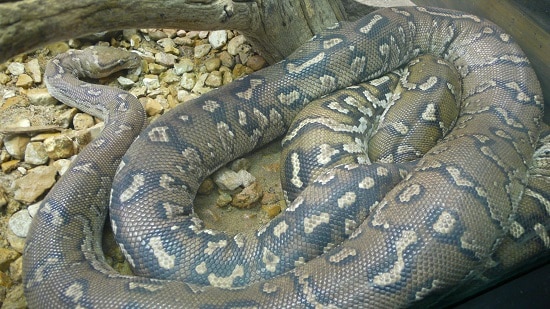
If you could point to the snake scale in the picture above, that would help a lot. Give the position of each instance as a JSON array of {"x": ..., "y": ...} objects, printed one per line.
[{"x": 439, "y": 226}]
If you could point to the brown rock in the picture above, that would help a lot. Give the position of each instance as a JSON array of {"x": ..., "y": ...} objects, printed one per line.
[{"x": 248, "y": 197}]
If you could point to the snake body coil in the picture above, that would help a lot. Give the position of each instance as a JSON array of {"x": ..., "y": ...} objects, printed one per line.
[{"x": 439, "y": 226}]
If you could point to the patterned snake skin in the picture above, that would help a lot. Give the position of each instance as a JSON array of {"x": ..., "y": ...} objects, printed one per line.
[{"x": 442, "y": 224}]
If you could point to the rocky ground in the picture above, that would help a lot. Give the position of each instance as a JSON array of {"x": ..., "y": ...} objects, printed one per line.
[{"x": 40, "y": 136}]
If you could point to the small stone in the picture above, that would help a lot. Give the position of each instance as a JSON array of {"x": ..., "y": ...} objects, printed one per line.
[
  {"x": 66, "y": 117},
  {"x": 125, "y": 82},
  {"x": 227, "y": 179},
  {"x": 241, "y": 70},
  {"x": 203, "y": 34},
  {"x": 135, "y": 41},
  {"x": 270, "y": 198},
  {"x": 153, "y": 107},
  {"x": 16, "y": 242},
  {"x": 3, "y": 198},
  {"x": 59, "y": 147},
  {"x": 188, "y": 81},
  {"x": 214, "y": 79},
  {"x": 217, "y": 38},
  {"x": 183, "y": 41},
  {"x": 9, "y": 166},
  {"x": 58, "y": 48},
  {"x": 62, "y": 165},
  {"x": 34, "y": 184},
  {"x": 155, "y": 68},
  {"x": 206, "y": 186},
  {"x": 240, "y": 164},
  {"x": 4, "y": 78},
  {"x": 33, "y": 209},
  {"x": 248, "y": 197},
  {"x": 16, "y": 270},
  {"x": 7, "y": 256},
  {"x": 16, "y": 145},
  {"x": 234, "y": 45},
  {"x": 151, "y": 82},
  {"x": 256, "y": 62},
  {"x": 157, "y": 34},
  {"x": 169, "y": 77},
  {"x": 199, "y": 85},
  {"x": 184, "y": 66},
  {"x": 166, "y": 42},
  {"x": 226, "y": 59},
  {"x": 227, "y": 77},
  {"x": 165, "y": 59},
  {"x": 139, "y": 91},
  {"x": 24, "y": 81},
  {"x": 223, "y": 200},
  {"x": 16, "y": 68},
  {"x": 82, "y": 121},
  {"x": 192, "y": 34},
  {"x": 272, "y": 210},
  {"x": 171, "y": 33},
  {"x": 212, "y": 64},
  {"x": 36, "y": 154},
  {"x": 20, "y": 222},
  {"x": 246, "y": 178},
  {"x": 202, "y": 50},
  {"x": 40, "y": 97},
  {"x": 33, "y": 69}
]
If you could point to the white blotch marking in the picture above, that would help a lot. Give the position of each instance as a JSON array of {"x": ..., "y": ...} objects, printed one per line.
[
  {"x": 242, "y": 117},
  {"x": 543, "y": 234},
  {"x": 445, "y": 223},
  {"x": 295, "y": 162},
  {"x": 293, "y": 68},
  {"x": 310, "y": 223},
  {"x": 432, "y": 80},
  {"x": 394, "y": 274},
  {"x": 212, "y": 246},
  {"x": 342, "y": 254},
  {"x": 226, "y": 282},
  {"x": 290, "y": 98},
  {"x": 144, "y": 286},
  {"x": 328, "y": 82},
  {"x": 75, "y": 292},
  {"x": 137, "y": 182},
  {"x": 210, "y": 106},
  {"x": 429, "y": 113},
  {"x": 164, "y": 259},
  {"x": 280, "y": 229},
  {"x": 368, "y": 27},
  {"x": 367, "y": 183},
  {"x": 347, "y": 199},
  {"x": 457, "y": 177},
  {"x": 201, "y": 269},
  {"x": 331, "y": 43},
  {"x": 516, "y": 230},
  {"x": 338, "y": 107},
  {"x": 270, "y": 260},
  {"x": 325, "y": 154},
  {"x": 349, "y": 226},
  {"x": 410, "y": 192},
  {"x": 165, "y": 181},
  {"x": 159, "y": 134}
]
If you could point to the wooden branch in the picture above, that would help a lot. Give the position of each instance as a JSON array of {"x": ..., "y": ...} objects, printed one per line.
[
  {"x": 28, "y": 24},
  {"x": 274, "y": 27}
]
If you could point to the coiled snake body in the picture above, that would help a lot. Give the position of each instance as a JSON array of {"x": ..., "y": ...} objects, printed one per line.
[{"x": 437, "y": 227}]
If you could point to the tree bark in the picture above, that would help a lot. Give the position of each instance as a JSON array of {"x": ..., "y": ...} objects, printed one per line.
[{"x": 274, "y": 27}]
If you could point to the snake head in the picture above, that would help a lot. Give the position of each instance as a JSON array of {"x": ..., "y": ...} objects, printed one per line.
[{"x": 101, "y": 61}]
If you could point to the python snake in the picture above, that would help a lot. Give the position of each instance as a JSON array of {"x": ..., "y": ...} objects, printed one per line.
[{"x": 438, "y": 227}]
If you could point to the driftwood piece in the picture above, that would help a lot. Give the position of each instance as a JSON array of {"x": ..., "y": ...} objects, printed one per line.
[{"x": 275, "y": 27}]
